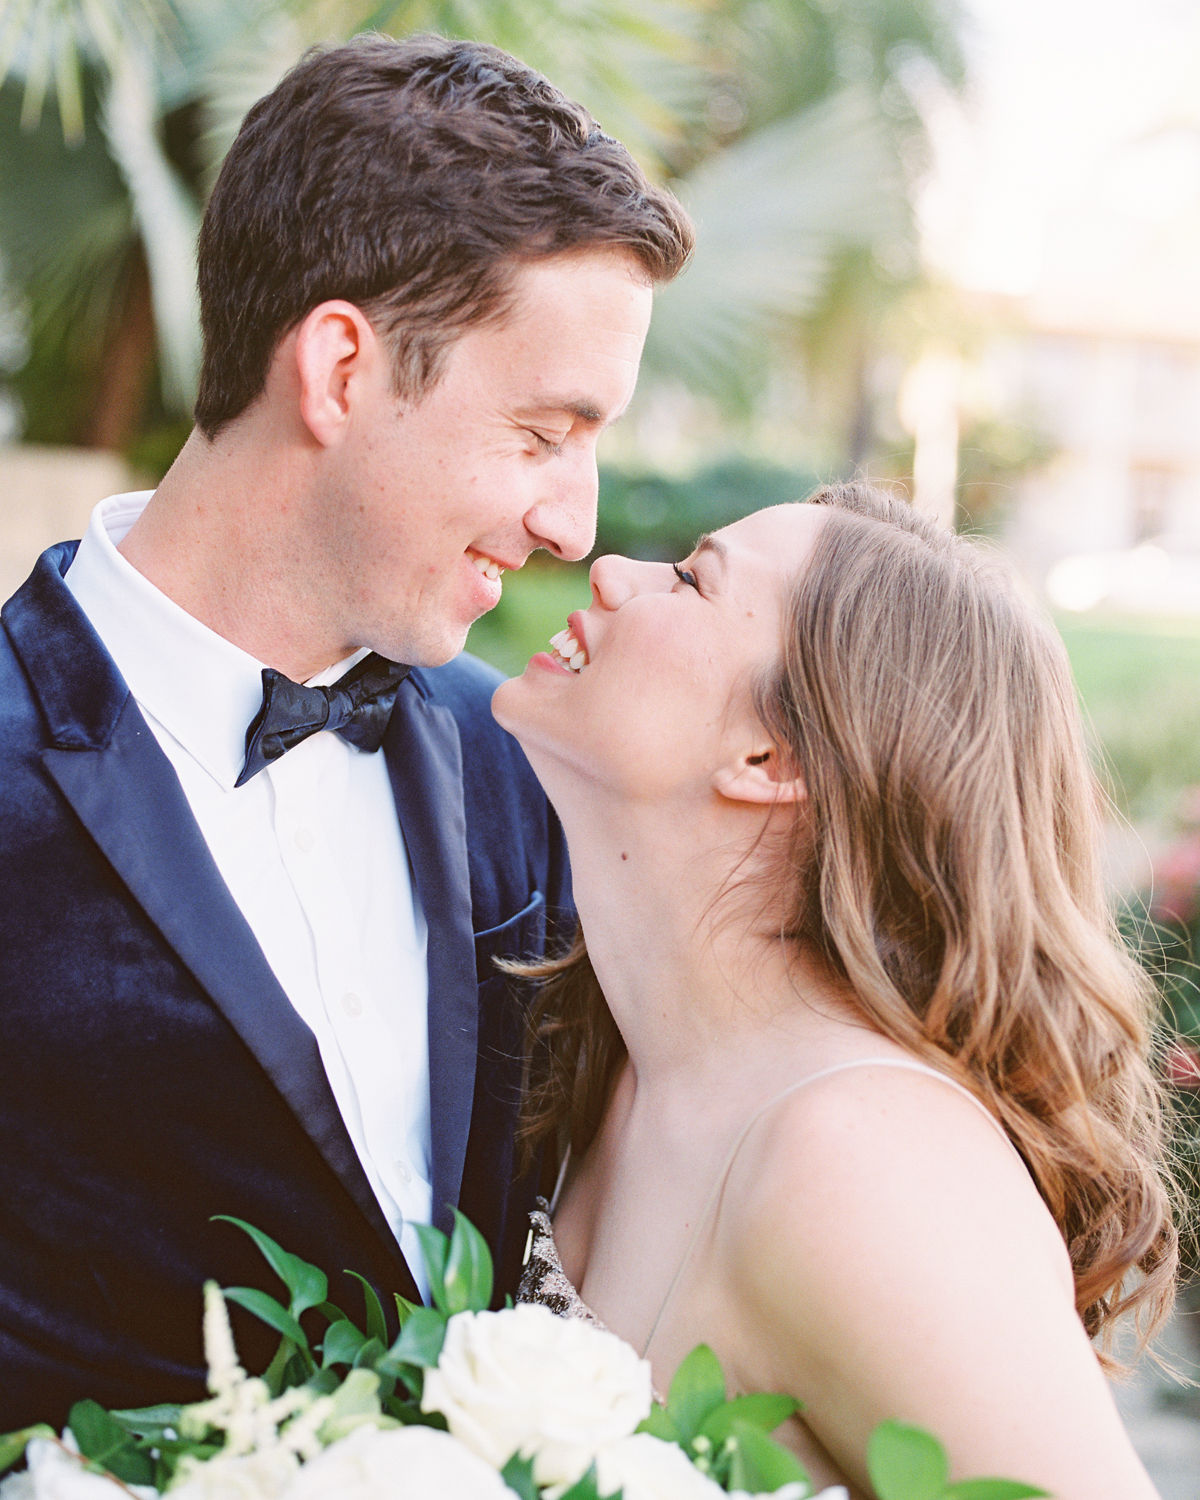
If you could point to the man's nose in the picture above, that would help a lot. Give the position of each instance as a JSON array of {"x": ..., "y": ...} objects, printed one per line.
[
  {"x": 564, "y": 521},
  {"x": 615, "y": 579}
]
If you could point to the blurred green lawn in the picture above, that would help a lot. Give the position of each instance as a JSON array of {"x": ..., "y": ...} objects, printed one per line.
[{"x": 1138, "y": 678}]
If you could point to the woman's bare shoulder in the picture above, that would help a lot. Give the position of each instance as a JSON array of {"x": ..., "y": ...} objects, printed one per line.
[{"x": 886, "y": 1158}]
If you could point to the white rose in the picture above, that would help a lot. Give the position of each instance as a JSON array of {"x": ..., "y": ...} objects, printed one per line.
[
  {"x": 405, "y": 1463},
  {"x": 524, "y": 1380},
  {"x": 646, "y": 1468},
  {"x": 245, "y": 1476},
  {"x": 56, "y": 1473}
]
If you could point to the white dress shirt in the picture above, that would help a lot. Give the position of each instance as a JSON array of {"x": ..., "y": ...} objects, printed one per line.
[{"x": 311, "y": 851}]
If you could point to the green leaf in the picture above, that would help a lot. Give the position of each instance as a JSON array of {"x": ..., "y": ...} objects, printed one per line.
[
  {"x": 376, "y": 1322},
  {"x": 332, "y": 1312},
  {"x": 369, "y": 1355},
  {"x": 517, "y": 1473},
  {"x": 342, "y": 1343},
  {"x": 761, "y": 1464},
  {"x": 355, "y": 1402},
  {"x": 420, "y": 1341},
  {"x": 404, "y": 1308},
  {"x": 696, "y": 1391},
  {"x": 307, "y": 1286},
  {"x": 12, "y": 1444},
  {"x": 762, "y": 1410},
  {"x": 150, "y": 1422},
  {"x": 659, "y": 1424},
  {"x": 588, "y": 1488},
  {"x": 274, "y": 1374},
  {"x": 105, "y": 1442},
  {"x": 468, "y": 1272},
  {"x": 992, "y": 1489},
  {"x": 434, "y": 1250},
  {"x": 264, "y": 1306},
  {"x": 906, "y": 1463}
]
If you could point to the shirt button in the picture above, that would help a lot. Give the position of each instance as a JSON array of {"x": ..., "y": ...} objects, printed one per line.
[
  {"x": 351, "y": 1004},
  {"x": 305, "y": 839},
  {"x": 402, "y": 1172}
]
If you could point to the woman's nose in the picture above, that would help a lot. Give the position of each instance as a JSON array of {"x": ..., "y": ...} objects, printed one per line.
[{"x": 615, "y": 580}]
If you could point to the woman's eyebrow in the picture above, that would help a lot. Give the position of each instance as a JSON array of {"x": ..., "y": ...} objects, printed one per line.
[{"x": 710, "y": 543}]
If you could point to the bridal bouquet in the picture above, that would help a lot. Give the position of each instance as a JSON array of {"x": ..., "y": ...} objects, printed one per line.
[{"x": 465, "y": 1404}]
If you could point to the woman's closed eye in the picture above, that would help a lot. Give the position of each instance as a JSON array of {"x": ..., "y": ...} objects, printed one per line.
[{"x": 685, "y": 575}]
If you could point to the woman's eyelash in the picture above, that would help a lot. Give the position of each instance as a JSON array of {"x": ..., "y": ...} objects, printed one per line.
[{"x": 685, "y": 575}]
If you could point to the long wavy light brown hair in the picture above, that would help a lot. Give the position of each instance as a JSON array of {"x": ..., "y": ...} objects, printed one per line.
[{"x": 945, "y": 863}]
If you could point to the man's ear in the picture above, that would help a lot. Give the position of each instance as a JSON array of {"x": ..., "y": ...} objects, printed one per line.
[
  {"x": 762, "y": 775},
  {"x": 334, "y": 347}
]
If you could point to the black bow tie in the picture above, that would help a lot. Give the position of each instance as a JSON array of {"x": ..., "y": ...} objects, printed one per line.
[{"x": 357, "y": 706}]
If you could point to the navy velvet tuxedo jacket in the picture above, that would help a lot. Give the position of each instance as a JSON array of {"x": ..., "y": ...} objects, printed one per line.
[{"x": 153, "y": 1071}]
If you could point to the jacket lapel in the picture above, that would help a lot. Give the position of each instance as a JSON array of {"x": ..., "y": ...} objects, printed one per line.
[
  {"x": 424, "y": 757},
  {"x": 109, "y": 767}
]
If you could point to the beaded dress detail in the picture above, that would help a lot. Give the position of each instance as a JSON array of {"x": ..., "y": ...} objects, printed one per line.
[{"x": 543, "y": 1279}]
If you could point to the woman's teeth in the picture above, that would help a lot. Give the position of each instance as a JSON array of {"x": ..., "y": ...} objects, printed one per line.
[
  {"x": 569, "y": 651},
  {"x": 486, "y": 566}
]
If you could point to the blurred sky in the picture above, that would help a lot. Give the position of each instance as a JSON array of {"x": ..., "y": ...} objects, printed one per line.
[{"x": 1071, "y": 174}]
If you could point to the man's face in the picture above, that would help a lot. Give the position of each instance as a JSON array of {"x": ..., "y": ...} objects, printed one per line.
[{"x": 424, "y": 501}]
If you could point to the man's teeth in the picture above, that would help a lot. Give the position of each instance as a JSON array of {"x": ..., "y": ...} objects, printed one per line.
[
  {"x": 569, "y": 651},
  {"x": 487, "y": 567}
]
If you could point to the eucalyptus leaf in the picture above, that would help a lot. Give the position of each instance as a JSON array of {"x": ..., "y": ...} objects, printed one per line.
[
  {"x": 376, "y": 1322},
  {"x": 434, "y": 1249},
  {"x": 264, "y": 1306},
  {"x": 992, "y": 1489},
  {"x": 697, "y": 1389},
  {"x": 906, "y": 1463},
  {"x": 307, "y": 1286},
  {"x": 467, "y": 1276},
  {"x": 341, "y": 1344},
  {"x": 517, "y": 1473},
  {"x": 12, "y": 1444},
  {"x": 762, "y": 1410},
  {"x": 761, "y": 1464}
]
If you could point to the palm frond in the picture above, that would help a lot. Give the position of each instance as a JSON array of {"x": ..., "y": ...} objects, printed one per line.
[{"x": 773, "y": 213}]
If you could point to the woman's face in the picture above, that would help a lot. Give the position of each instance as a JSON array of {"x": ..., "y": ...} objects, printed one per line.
[{"x": 660, "y": 696}]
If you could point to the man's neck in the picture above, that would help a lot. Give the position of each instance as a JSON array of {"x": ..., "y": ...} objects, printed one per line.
[{"x": 222, "y": 542}]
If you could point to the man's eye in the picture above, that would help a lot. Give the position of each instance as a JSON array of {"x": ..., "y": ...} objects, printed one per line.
[
  {"x": 545, "y": 444},
  {"x": 685, "y": 575}
]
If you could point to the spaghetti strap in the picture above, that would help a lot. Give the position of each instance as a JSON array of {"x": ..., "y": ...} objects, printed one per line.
[
  {"x": 560, "y": 1180},
  {"x": 909, "y": 1065}
]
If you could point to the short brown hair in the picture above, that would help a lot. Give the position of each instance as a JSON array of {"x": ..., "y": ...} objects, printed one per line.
[{"x": 410, "y": 178}]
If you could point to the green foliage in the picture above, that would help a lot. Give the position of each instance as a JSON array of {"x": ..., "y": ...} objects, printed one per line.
[
  {"x": 906, "y": 1463},
  {"x": 728, "y": 1440},
  {"x": 12, "y": 1444},
  {"x": 517, "y": 1473}
]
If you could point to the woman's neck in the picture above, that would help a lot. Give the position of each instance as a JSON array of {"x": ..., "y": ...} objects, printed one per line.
[{"x": 682, "y": 925}]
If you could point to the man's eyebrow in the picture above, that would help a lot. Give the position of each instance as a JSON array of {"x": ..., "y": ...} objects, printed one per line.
[{"x": 586, "y": 411}]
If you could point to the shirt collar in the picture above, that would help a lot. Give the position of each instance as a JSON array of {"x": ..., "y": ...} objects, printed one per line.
[{"x": 200, "y": 687}]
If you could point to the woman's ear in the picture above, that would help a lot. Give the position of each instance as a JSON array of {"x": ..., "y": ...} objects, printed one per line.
[
  {"x": 333, "y": 344},
  {"x": 760, "y": 776}
]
